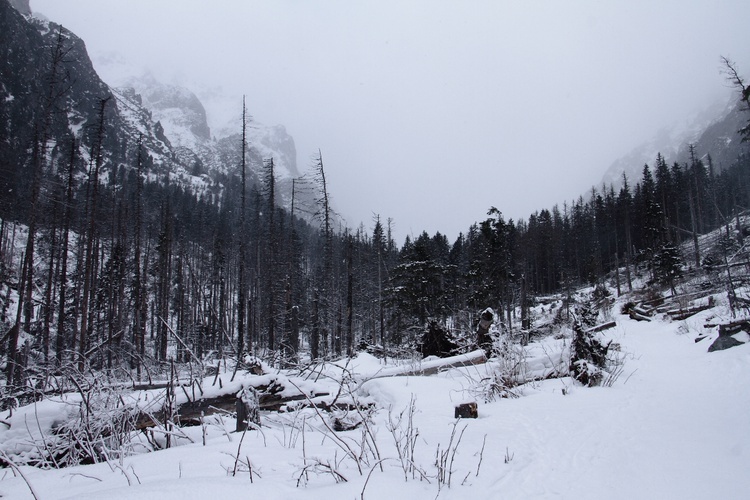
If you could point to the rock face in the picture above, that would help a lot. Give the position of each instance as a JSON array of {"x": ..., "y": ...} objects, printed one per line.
[
  {"x": 721, "y": 140},
  {"x": 37, "y": 96},
  {"x": 176, "y": 106},
  {"x": 184, "y": 121}
]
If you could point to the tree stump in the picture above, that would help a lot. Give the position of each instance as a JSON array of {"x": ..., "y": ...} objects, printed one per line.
[
  {"x": 437, "y": 341},
  {"x": 248, "y": 409},
  {"x": 466, "y": 410},
  {"x": 484, "y": 340}
]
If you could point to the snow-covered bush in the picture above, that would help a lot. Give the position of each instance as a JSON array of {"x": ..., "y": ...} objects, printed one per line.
[
  {"x": 588, "y": 357},
  {"x": 94, "y": 425}
]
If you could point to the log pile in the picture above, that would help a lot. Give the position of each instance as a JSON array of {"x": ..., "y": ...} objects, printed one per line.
[
  {"x": 677, "y": 307},
  {"x": 681, "y": 314}
]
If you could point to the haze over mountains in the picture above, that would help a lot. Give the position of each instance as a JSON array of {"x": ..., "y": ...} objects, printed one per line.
[
  {"x": 186, "y": 124},
  {"x": 712, "y": 132},
  {"x": 202, "y": 128},
  {"x": 181, "y": 112}
]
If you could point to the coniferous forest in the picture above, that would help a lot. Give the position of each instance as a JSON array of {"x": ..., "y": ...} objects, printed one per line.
[{"x": 109, "y": 264}]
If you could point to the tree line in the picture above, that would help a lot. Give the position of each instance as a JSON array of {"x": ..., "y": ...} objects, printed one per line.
[{"x": 105, "y": 264}]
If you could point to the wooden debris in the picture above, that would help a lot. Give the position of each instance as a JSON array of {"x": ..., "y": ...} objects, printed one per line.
[
  {"x": 602, "y": 327},
  {"x": 642, "y": 311},
  {"x": 432, "y": 367},
  {"x": 466, "y": 410},
  {"x": 652, "y": 304},
  {"x": 728, "y": 329},
  {"x": 190, "y": 413},
  {"x": 343, "y": 424},
  {"x": 638, "y": 316},
  {"x": 680, "y": 314}
]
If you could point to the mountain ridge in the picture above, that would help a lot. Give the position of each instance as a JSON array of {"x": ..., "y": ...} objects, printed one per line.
[{"x": 712, "y": 131}]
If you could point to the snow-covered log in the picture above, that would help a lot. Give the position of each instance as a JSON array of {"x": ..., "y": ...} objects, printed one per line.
[
  {"x": 602, "y": 327},
  {"x": 680, "y": 314},
  {"x": 274, "y": 391},
  {"x": 734, "y": 327},
  {"x": 432, "y": 367},
  {"x": 638, "y": 316}
]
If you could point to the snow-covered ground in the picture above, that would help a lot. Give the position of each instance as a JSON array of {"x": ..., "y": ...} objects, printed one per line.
[{"x": 673, "y": 425}]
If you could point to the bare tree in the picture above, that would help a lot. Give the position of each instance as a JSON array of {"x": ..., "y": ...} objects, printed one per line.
[
  {"x": 97, "y": 159},
  {"x": 241, "y": 278},
  {"x": 733, "y": 77},
  {"x": 322, "y": 298}
]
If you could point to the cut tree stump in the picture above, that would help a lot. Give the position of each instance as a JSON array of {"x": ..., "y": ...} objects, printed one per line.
[
  {"x": 466, "y": 410},
  {"x": 248, "y": 409}
]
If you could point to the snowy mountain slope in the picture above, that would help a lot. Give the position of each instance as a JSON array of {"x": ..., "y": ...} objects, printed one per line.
[
  {"x": 673, "y": 425},
  {"x": 186, "y": 123},
  {"x": 673, "y": 143},
  {"x": 167, "y": 120}
]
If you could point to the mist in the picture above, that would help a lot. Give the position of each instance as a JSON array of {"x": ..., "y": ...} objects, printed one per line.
[{"x": 429, "y": 112}]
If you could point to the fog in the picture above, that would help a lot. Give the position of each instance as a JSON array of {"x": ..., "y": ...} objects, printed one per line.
[{"x": 430, "y": 112}]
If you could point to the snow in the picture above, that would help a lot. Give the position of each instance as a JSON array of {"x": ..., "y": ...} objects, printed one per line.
[{"x": 673, "y": 425}]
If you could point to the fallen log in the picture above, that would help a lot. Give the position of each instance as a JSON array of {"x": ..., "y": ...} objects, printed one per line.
[
  {"x": 653, "y": 303},
  {"x": 640, "y": 310},
  {"x": 638, "y": 316},
  {"x": 733, "y": 327},
  {"x": 602, "y": 327},
  {"x": 680, "y": 314},
  {"x": 190, "y": 413},
  {"x": 476, "y": 357}
]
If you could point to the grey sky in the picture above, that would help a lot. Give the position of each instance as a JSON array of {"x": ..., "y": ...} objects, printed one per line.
[{"x": 432, "y": 111}]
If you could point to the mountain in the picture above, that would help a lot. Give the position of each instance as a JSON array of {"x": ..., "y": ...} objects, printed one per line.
[
  {"x": 63, "y": 101},
  {"x": 720, "y": 139},
  {"x": 49, "y": 88},
  {"x": 712, "y": 131},
  {"x": 201, "y": 148}
]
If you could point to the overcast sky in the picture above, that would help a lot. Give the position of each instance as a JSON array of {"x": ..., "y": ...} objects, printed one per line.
[{"x": 430, "y": 112}]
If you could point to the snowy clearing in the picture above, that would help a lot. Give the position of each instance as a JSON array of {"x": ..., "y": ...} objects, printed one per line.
[{"x": 673, "y": 425}]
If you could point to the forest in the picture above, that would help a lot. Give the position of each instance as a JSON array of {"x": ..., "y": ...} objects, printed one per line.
[
  {"x": 107, "y": 266},
  {"x": 123, "y": 274}
]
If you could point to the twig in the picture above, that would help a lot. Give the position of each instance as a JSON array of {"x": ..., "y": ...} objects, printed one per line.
[
  {"x": 372, "y": 469},
  {"x": 340, "y": 442},
  {"x": 84, "y": 475},
  {"x": 20, "y": 473},
  {"x": 481, "y": 454}
]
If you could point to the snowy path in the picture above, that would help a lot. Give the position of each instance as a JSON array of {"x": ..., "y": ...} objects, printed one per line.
[{"x": 678, "y": 428}]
